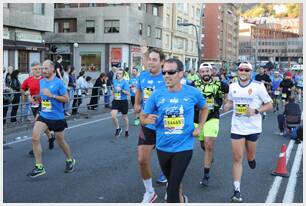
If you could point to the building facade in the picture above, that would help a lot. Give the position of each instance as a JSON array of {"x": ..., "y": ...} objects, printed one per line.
[
  {"x": 24, "y": 26},
  {"x": 221, "y": 30},
  {"x": 97, "y": 36},
  {"x": 181, "y": 41}
]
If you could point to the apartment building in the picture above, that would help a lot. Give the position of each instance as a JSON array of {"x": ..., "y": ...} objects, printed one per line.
[
  {"x": 181, "y": 41},
  {"x": 97, "y": 36},
  {"x": 24, "y": 26},
  {"x": 221, "y": 30}
]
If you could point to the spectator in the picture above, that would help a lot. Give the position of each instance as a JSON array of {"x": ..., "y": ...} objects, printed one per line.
[
  {"x": 109, "y": 85},
  {"x": 10, "y": 70},
  {"x": 59, "y": 67},
  {"x": 15, "y": 85},
  {"x": 291, "y": 109},
  {"x": 82, "y": 85},
  {"x": 66, "y": 81},
  {"x": 7, "y": 96},
  {"x": 99, "y": 84},
  {"x": 71, "y": 85}
]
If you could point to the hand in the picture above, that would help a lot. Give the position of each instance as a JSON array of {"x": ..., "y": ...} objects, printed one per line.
[
  {"x": 196, "y": 132},
  {"x": 47, "y": 93},
  {"x": 137, "y": 108},
  {"x": 151, "y": 118},
  {"x": 143, "y": 46}
]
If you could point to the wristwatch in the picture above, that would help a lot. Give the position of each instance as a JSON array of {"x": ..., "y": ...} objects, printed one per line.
[
  {"x": 53, "y": 96},
  {"x": 256, "y": 111}
]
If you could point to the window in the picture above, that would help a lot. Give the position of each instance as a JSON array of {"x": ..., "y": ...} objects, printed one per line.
[
  {"x": 139, "y": 6},
  {"x": 5, "y": 5},
  {"x": 158, "y": 33},
  {"x": 198, "y": 15},
  {"x": 92, "y": 5},
  {"x": 148, "y": 30},
  {"x": 168, "y": 21},
  {"x": 193, "y": 12},
  {"x": 186, "y": 45},
  {"x": 23, "y": 61},
  {"x": 140, "y": 28},
  {"x": 111, "y": 26},
  {"x": 155, "y": 11},
  {"x": 167, "y": 40},
  {"x": 66, "y": 5},
  {"x": 90, "y": 26},
  {"x": 38, "y": 9},
  {"x": 66, "y": 27},
  {"x": 91, "y": 60}
]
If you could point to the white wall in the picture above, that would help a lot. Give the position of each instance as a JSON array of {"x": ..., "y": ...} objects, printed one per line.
[
  {"x": 125, "y": 53},
  {"x": 34, "y": 57},
  {"x": 5, "y": 59}
]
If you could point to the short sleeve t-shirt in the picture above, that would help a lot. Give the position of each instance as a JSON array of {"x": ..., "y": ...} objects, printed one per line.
[
  {"x": 133, "y": 85},
  {"x": 175, "y": 110},
  {"x": 51, "y": 108},
  {"x": 253, "y": 95},
  {"x": 147, "y": 84},
  {"x": 124, "y": 85},
  {"x": 32, "y": 84}
]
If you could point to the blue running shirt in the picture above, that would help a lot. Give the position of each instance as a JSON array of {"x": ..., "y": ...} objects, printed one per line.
[
  {"x": 175, "y": 110},
  {"x": 124, "y": 85},
  {"x": 51, "y": 108}
]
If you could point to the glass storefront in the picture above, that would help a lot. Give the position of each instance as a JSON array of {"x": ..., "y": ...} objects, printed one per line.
[{"x": 91, "y": 61}]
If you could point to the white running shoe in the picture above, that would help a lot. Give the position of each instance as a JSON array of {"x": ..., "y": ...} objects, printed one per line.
[{"x": 149, "y": 197}]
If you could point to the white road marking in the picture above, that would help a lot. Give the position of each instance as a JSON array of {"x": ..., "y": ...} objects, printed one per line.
[
  {"x": 278, "y": 180},
  {"x": 289, "y": 194},
  {"x": 79, "y": 125}
]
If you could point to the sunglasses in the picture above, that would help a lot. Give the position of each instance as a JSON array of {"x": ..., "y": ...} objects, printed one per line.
[
  {"x": 244, "y": 69},
  {"x": 169, "y": 72}
]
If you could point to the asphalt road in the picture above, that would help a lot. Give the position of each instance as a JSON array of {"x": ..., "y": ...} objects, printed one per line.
[{"x": 107, "y": 170}]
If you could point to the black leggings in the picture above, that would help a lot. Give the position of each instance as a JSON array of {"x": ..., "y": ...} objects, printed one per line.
[{"x": 174, "y": 166}]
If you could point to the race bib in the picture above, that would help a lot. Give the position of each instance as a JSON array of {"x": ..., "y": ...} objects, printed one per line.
[
  {"x": 147, "y": 93},
  {"x": 276, "y": 92},
  {"x": 210, "y": 103},
  {"x": 46, "y": 106},
  {"x": 117, "y": 96},
  {"x": 284, "y": 95},
  {"x": 241, "y": 109},
  {"x": 174, "y": 125}
]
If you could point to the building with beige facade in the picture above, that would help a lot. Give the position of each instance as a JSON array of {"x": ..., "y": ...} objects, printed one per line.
[
  {"x": 180, "y": 41},
  {"x": 221, "y": 30},
  {"x": 97, "y": 36}
]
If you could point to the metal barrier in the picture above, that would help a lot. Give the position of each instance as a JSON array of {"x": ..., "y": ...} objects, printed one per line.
[{"x": 23, "y": 108}]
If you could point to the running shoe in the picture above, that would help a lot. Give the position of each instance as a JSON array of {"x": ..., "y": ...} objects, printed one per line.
[
  {"x": 70, "y": 165},
  {"x": 126, "y": 133},
  {"x": 162, "y": 180},
  {"x": 118, "y": 132},
  {"x": 185, "y": 199},
  {"x": 31, "y": 153},
  {"x": 136, "y": 122},
  {"x": 204, "y": 181},
  {"x": 252, "y": 164},
  {"x": 149, "y": 197},
  {"x": 236, "y": 197},
  {"x": 51, "y": 141},
  {"x": 36, "y": 172}
]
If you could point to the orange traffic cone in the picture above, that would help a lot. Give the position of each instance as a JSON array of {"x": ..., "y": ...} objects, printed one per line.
[{"x": 281, "y": 169}]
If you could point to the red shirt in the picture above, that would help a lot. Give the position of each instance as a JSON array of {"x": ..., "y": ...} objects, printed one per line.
[{"x": 32, "y": 84}]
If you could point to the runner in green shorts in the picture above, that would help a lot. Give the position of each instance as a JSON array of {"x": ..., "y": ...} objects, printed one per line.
[{"x": 214, "y": 92}]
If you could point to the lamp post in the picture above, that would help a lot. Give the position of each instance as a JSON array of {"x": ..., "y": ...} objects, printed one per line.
[
  {"x": 197, "y": 36},
  {"x": 75, "y": 45}
]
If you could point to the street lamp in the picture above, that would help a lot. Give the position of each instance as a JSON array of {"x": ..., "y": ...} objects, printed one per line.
[
  {"x": 197, "y": 36},
  {"x": 75, "y": 45}
]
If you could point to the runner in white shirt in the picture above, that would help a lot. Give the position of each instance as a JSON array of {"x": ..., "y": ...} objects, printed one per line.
[{"x": 248, "y": 98}]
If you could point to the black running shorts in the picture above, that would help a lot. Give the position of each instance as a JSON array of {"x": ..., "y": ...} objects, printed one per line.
[
  {"x": 121, "y": 105},
  {"x": 147, "y": 136},
  {"x": 250, "y": 137},
  {"x": 54, "y": 125},
  {"x": 133, "y": 100}
]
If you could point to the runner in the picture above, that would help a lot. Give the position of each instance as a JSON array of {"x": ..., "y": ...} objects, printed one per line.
[
  {"x": 286, "y": 86},
  {"x": 264, "y": 77},
  {"x": 172, "y": 110},
  {"x": 31, "y": 86},
  {"x": 149, "y": 81},
  {"x": 248, "y": 99},
  {"x": 120, "y": 102},
  {"x": 276, "y": 93},
  {"x": 133, "y": 88},
  {"x": 53, "y": 94},
  {"x": 214, "y": 91}
]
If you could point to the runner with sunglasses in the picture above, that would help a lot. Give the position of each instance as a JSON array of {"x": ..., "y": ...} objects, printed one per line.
[
  {"x": 248, "y": 98},
  {"x": 171, "y": 109},
  {"x": 214, "y": 91}
]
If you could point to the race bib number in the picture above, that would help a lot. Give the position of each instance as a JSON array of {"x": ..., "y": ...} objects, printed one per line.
[
  {"x": 284, "y": 95},
  {"x": 174, "y": 125},
  {"x": 117, "y": 95},
  {"x": 147, "y": 93},
  {"x": 241, "y": 109},
  {"x": 276, "y": 92},
  {"x": 210, "y": 103},
  {"x": 46, "y": 106}
]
